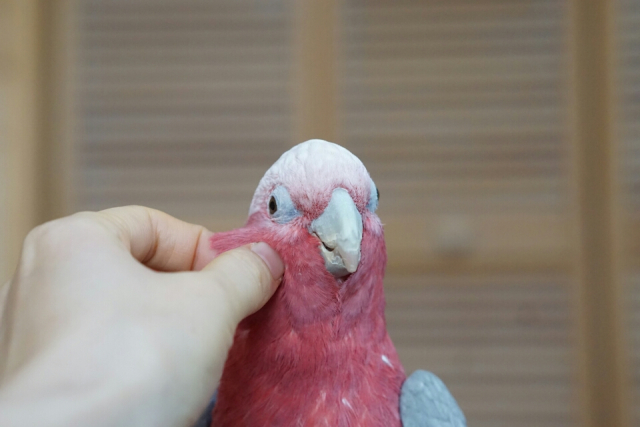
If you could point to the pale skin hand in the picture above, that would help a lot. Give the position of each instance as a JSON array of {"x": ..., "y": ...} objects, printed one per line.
[{"x": 104, "y": 324}]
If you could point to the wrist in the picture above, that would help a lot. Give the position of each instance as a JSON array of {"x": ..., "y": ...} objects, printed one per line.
[{"x": 83, "y": 381}]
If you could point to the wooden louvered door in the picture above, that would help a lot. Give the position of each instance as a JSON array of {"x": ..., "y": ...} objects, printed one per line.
[
  {"x": 628, "y": 129},
  {"x": 180, "y": 106},
  {"x": 459, "y": 110}
]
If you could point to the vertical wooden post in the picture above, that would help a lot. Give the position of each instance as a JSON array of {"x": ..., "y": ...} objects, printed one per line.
[
  {"x": 19, "y": 210},
  {"x": 602, "y": 360},
  {"x": 315, "y": 63},
  {"x": 57, "y": 27},
  {"x": 5, "y": 55}
]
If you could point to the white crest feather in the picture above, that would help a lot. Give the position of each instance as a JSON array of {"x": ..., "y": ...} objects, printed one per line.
[{"x": 311, "y": 169}]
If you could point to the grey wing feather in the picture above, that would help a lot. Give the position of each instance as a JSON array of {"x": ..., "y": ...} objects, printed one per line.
[
  {"x": 426, "y": 402},
  {"x": 205, "y": 418}
]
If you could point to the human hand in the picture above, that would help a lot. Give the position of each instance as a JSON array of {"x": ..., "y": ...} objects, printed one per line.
[{"x": 103, "y": 324}]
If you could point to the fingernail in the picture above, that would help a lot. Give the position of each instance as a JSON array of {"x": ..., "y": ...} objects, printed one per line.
[{"x": 270, "y": 257}]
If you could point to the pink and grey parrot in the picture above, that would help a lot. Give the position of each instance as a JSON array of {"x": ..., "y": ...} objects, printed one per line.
[{"x": 318, "y": 353}]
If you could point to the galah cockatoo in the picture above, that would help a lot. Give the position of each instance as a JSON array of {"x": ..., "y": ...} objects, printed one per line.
[{"x": 318, "y": 353}]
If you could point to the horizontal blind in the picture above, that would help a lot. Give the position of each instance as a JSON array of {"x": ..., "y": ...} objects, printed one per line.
[
  {"x": 458, "y": 105},
  {"x": 180, "y": 105},
  {"x": 628, "y": 25},
  {"x": 500, "y": 343}
]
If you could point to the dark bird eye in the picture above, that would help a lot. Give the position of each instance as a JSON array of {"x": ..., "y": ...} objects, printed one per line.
[
  {"x": 273, "y": 206},
  {"x": 377, "y": 194}
]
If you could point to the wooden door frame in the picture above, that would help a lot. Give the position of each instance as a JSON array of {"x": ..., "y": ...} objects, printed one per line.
[
  {"x": 599, "y": 253},
  {"x": 21, "y": 208}
]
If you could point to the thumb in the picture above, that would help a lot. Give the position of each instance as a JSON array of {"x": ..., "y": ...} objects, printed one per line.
[{"x": 247, "y": 277}]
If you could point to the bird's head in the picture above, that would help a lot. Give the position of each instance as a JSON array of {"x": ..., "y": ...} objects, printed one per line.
[
  {"x": 322, "y": 189},
  {"x": 316, "y": 206}
]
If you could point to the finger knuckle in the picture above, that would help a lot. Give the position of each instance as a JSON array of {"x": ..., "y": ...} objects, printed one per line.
[{"x": 52, "y": 234}]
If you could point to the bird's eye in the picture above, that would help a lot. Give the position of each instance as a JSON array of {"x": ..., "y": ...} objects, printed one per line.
[
  {"x": 373, "y": 198},
  {"x": 273, "y": 205},
  {"x": 281, "y": 207}
]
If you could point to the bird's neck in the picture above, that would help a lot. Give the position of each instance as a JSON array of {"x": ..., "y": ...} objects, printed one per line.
[
  {"x": 321, "y": 370},
  {"x": 337, "y": 310},
  {"x": 355, "y": 324}
]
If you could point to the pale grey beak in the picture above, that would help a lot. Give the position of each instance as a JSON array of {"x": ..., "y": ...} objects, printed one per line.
[{"x": 340, "y": 230}]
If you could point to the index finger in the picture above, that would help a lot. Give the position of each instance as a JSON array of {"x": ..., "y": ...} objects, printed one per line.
[{"x": 157, "y": 239}]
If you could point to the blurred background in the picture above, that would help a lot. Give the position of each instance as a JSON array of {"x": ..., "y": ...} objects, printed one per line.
[{"x": 503, "y": 135}]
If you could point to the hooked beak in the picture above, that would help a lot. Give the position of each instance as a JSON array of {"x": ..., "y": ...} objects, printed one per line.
[{"x": 340, "y": 230}]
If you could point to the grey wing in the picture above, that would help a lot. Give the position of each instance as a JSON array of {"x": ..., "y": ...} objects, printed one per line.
[
  {"x": 205, "y": 418},
  {"x": 426, "y": 402}
]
